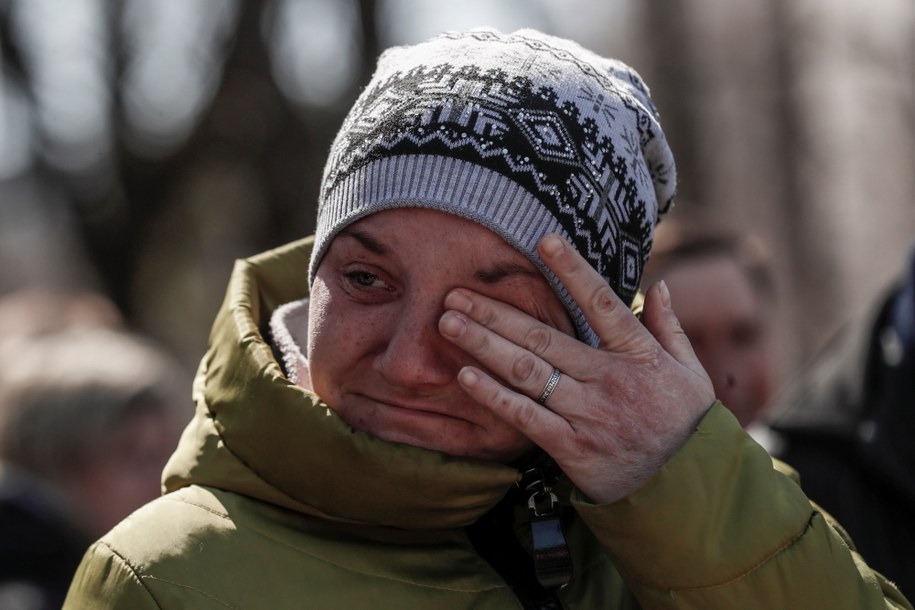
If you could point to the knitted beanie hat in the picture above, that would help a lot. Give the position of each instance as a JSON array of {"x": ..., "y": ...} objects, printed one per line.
[{"x": 523, "y": 133}]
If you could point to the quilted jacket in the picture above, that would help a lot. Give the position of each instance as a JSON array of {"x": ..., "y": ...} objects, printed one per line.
[{"x": 271, "y": 501}]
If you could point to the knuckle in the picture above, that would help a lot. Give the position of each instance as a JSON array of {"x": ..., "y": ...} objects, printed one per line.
[
  {"x": 480, "y": 343},
  {"x": 523, "y": 368},
  {"x": 655, "y": 359},
  {"x": 520, "y": 417},
  {"x": 538, "y": 340},
  {"x": 604, "y": 301},
  {"x": 497, "y": 397},
  {"x": 485, "y": 315}
]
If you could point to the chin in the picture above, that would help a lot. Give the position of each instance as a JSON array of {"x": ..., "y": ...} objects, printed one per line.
[
  {"x": 454, "y": 445},
  {"x": 440, "y": 432},
  {"x": 450, "y": 446}
]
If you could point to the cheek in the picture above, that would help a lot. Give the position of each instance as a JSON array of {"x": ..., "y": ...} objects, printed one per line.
[
  {"x": 547, "y": 307},
  {"x": 341, "y": 337},
  {"x": 327, "y": 341},
  {"x": 763, "y": 369},
  {"x": 318, "y": 305},
  {"x": 329, "y": 326}
]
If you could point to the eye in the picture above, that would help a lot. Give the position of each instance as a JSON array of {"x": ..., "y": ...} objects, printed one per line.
[
  {"x": 366, "y": 286},
  {"x": 363, "y": 278},
  {"x": 746, "y": 334}
]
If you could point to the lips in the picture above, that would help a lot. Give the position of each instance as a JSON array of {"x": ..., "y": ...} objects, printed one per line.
[{"x": 425, "y": 407}]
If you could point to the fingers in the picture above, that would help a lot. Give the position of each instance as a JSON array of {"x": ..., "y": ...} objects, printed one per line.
[
  {"x": 511, "y": 345},
  {"x": 610, "y": 318},
  {"x": 660, "y": 320},
  {"x": 542, "y": 426},
  {"x": 517, "y": 368}
]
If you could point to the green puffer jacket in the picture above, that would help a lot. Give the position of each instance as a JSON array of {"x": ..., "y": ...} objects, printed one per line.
[{"x": 273, "y": 502}]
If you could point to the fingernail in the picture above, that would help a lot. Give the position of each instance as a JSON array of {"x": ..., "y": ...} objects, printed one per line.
[
  {"x": 458, "y": 300},
  {"x": 452, "y": 324},
  {"x": 552, "y": 245},
  {"x": 468, "y": 377},
  {"x": 665, "y": 294}
]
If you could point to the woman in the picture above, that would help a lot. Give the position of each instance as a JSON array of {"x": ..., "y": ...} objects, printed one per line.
[{"x": 468, "y": 414}]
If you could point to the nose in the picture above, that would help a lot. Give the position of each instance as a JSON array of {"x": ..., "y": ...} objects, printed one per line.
[{"x": 416, "y": 357}]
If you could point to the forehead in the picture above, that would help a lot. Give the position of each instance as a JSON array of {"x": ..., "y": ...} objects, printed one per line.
[{"x": 710, "y": 287}]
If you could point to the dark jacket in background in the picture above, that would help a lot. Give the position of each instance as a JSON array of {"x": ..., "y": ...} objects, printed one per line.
[
  {"x": 39, "y": 549},
  {"x": 848, "y": 427}
]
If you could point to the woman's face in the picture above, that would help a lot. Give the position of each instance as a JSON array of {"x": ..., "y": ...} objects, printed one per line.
[
  {"x": 727, "y": 322},
  {"x": 375, "y": 353}
]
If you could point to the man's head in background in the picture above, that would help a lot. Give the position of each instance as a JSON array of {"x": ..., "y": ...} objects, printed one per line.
[{"x": 723, "y": 293}]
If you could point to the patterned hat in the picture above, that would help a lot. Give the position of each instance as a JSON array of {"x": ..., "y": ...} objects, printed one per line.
[{"x": 523, "y": 133}]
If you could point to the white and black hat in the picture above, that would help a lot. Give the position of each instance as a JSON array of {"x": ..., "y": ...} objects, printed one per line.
[{"x": 523, "y": 133}]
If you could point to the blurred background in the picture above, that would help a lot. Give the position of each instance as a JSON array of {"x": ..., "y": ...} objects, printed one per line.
[{"x": 146, "y": 144}]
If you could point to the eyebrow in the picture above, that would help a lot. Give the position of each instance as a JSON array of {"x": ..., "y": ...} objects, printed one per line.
[
  {"x": 490, "y": 276},
  {"x": 501, "y": 271},
  {"x": 368, "y": 242}
]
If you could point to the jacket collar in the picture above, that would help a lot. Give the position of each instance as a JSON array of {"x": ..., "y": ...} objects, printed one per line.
[{"x": 258, "y": 434}]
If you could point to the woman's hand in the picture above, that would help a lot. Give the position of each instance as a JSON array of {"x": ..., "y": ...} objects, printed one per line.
[{"x": 618, "y": 411}]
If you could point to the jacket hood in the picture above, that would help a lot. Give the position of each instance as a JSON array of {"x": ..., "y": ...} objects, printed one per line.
[{"x": 256, "y": 433}]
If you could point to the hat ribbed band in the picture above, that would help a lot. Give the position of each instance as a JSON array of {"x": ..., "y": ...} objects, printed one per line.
[{"x": 449, "y": 185}]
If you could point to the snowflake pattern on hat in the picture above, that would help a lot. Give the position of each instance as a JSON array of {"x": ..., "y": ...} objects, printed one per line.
[{"x": 523, "y": 133}]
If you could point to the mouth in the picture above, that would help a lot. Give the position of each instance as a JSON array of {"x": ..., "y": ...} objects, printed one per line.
[
  {"x": 412, "y": 407},
  {"x": 414, "y": 410},
  {"x": 428, "y": 424},
  {"x": 451, "y": 424}
]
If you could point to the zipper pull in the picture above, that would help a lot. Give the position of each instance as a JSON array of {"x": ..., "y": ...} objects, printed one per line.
[{"x": 552, "y": 560}]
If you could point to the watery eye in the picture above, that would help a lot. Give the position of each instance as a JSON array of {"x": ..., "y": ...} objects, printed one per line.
[
  {"x": 363, "y": 278},
  {"x": 366, "y": 286}
]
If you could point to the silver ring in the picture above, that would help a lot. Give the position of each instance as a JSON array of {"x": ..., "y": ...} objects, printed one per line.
[{"x": 550, "y": 386}]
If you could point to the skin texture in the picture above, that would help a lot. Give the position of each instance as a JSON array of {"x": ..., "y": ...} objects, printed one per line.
[
  {"x": 727, "y": 322},
  {"x": 375, "y": 353},
  {"x": 430, "y": 330}
]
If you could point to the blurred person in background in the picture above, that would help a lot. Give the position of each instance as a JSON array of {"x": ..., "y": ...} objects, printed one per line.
[
  {"x": 88, "y": 418},
  {"x": 723, "y": 293},
  {"x": 444, "y": 398},
  {"x": 847, "y": 425},
  {"x": 36, "y": 310}
]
